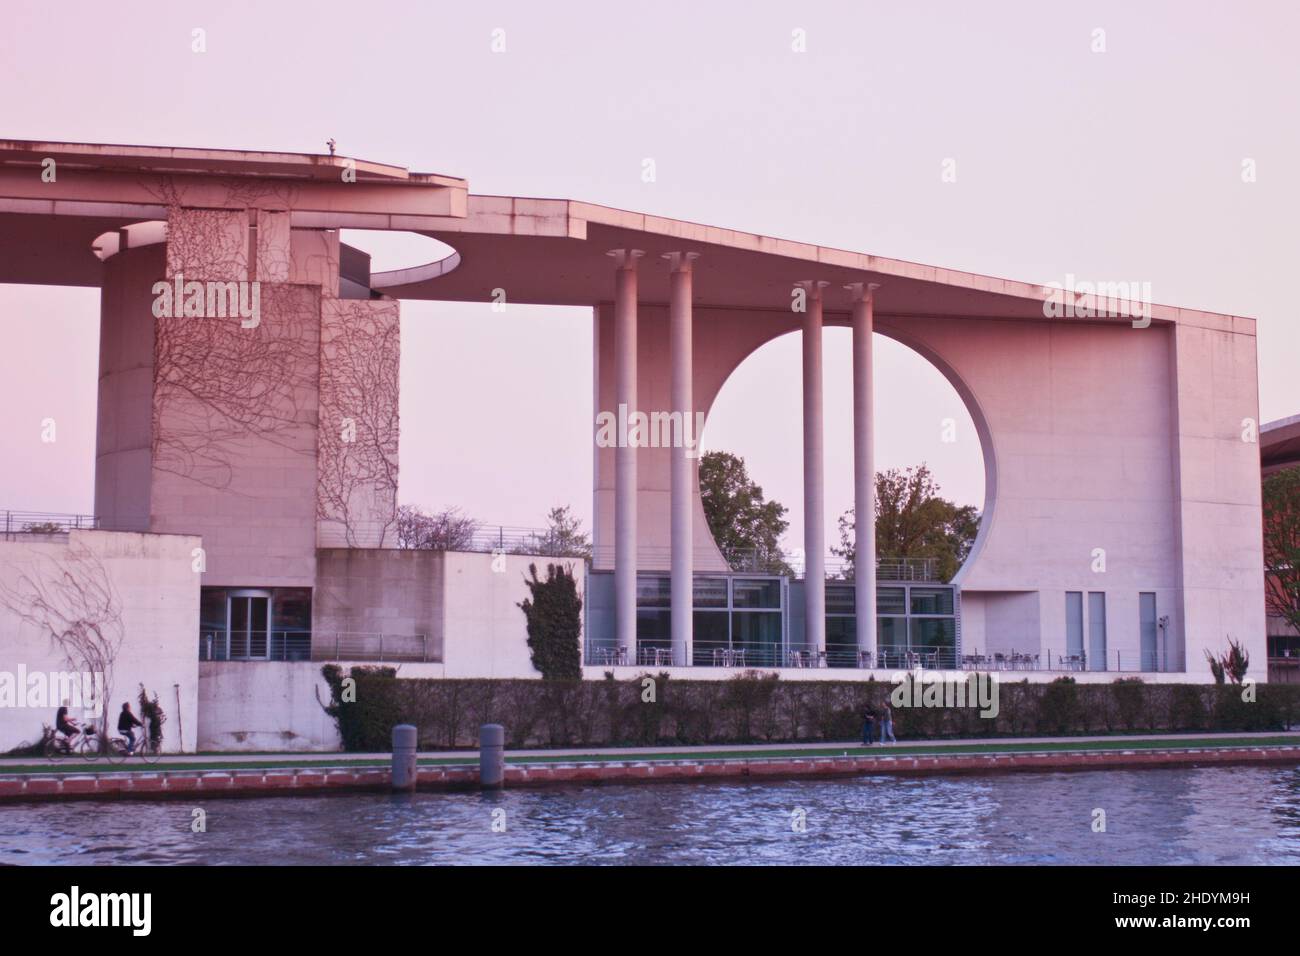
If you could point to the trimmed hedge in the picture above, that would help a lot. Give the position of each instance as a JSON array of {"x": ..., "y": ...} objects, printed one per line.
[{"x": 752, "y": 708}]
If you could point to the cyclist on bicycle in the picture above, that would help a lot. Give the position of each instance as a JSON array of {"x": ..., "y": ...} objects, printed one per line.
[
  {"x": 126, "y": 722},
  {"x": 66, "y": 726}
]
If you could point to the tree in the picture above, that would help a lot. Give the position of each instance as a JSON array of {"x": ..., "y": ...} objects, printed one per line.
[
  {"x": 1282, "y": 545},
  {"x": 913, "y": 521},
  {"x": 1232, "y": 663},
  {"x": 448, "y": 530},
  {"x": 563, "y": 537},
  {"x": 745, "y": 526},
  {"x": 553, "y": 613},
  {"x": 153, "y": 717}
]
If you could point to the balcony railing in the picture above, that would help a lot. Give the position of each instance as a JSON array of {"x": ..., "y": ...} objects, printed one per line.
[
  {"x": 383, "y": 648},
  {"x": 28, "y": 523},
  {"x": 330, "y": 646},
  {"x": 761, "y": 655},
  {"x": 756, "y": 654}
]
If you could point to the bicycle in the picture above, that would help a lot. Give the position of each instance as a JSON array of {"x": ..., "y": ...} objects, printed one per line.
[
  {"x": 149, "y": 748},
  {"x": 87, "y": 745},
  {"x": 91, "y": 745},
  {"x": 146, "y": 748}
]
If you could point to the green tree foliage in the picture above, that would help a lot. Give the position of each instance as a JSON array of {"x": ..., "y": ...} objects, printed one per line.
[
  {"x": 1282, "y": 545},
  {"x": 554, "y": 615},
  {"x": 563, "y": 537},
  {"x": 1232, "y": 663},
  {"x": 746, "y": 527},
  {"x": 913, "y": 521},
  {"x": 152, "y": 716},
  {"x": 751, "y": 708},
  {"x": 368, "y": 710}
]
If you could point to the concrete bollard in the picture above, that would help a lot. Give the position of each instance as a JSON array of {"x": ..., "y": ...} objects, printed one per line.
[
  {"x": 491, "y": 756},
  {"x": 404, "y": 772}
]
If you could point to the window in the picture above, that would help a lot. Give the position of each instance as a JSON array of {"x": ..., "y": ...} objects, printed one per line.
[
  {"x": 1074, "y": 625},
  {"x": 711, "y": 621},
  {"x": 757, "y": 621},
  {"x": 653, "y": 611},
  {"x": 710, "y": 593},
  {"x": 756, "y": 593},
  {"x": 891, "y": 601},
  {"x": 730, "y": 616},
  {"x": 932, "y": 601},
  {"x": 255, "y": 624},
  {"x": 1151, "y": 656},
  {"x": 841, "y": 625},
  {"x": 1096, "y": 630}
]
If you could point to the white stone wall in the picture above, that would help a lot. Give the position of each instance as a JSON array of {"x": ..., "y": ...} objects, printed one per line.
[{"x": 139, "y": 589}]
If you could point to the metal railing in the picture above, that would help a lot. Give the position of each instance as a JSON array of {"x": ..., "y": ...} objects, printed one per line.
[
  {"x": 384, "y": 648},
  {"x": 41, "y": 522},
  {"x": 1131, "y": 662},
  {"x": 757, "y": 654},
  {"x": 777, "y": 562},
  {"x": 658, "y": 653},
  {"x": 330, "y": 646},
  {"x": 255, "y": 646},
  {"x": 487, "y": 539}
]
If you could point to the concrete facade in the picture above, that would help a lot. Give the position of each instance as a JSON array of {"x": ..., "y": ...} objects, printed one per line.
[
  {"x": 1119, "y": 454},
  {"x": 130, "y": 601}
]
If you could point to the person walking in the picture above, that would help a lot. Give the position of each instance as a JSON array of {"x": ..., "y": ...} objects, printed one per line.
[
  {"x": 887, "y": 724},
  {"x": 868, "y": 726}
]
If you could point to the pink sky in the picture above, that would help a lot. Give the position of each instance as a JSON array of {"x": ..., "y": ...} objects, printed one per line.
[{"x": 1122, "y": 165}]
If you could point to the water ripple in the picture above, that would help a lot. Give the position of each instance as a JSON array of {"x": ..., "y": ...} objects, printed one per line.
[{"x": 1160, "y": 817}]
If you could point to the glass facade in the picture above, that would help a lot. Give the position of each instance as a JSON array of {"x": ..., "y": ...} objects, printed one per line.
[
  {"x": 740, "y": 621},
  {"x": 737, "y": 621},
  {"x": 254, "y": 624},
  {"x": 914, "y": 624}
]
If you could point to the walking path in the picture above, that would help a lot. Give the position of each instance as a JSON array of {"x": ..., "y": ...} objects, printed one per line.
[{"x": 28, "y": 778}]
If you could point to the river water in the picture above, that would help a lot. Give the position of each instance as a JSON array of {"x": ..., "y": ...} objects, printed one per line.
[{"x": 1154, "y": 817}]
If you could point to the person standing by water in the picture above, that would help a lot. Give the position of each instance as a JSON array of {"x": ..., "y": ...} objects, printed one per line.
[
  {"x": 887, "y": 724},
  {"x": 868, "y": 725}
]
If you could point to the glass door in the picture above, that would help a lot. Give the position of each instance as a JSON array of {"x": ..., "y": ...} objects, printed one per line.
[{"x": 249, "y": 617}]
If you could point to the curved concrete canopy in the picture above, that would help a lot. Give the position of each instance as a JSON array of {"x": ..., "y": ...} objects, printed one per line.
[{"x": 541, "y": 251}]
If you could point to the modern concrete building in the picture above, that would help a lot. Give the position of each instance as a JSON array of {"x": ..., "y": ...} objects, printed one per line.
[
  {"x": 1279, "y": 443},
  {"x": 248, "y": 398}
]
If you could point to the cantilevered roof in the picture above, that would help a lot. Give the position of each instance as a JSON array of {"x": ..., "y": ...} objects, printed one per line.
[
  {"x": 1279, "y": 443},
  {"x": 173, "y": 160},
  {"x": 543, "y": 251}
]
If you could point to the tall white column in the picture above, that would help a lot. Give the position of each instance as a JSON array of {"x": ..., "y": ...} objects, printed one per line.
[
  {"x": 625, "y": 539},
  {"x": 683, "y": 462},
  {"x": 814, "y": 530},
  {"x": 864, "y": 468}
]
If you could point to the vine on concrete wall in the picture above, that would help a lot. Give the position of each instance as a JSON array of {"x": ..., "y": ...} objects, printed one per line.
[
  {"x": 360, "y": 354},
  {"x": 72, "y": 600},
  {"x": 217, "y": 383}
]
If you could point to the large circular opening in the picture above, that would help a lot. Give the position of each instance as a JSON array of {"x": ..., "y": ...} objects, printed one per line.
[
  {"x": 397, "y": 252},
  {"x": 921, "y": 421}
]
